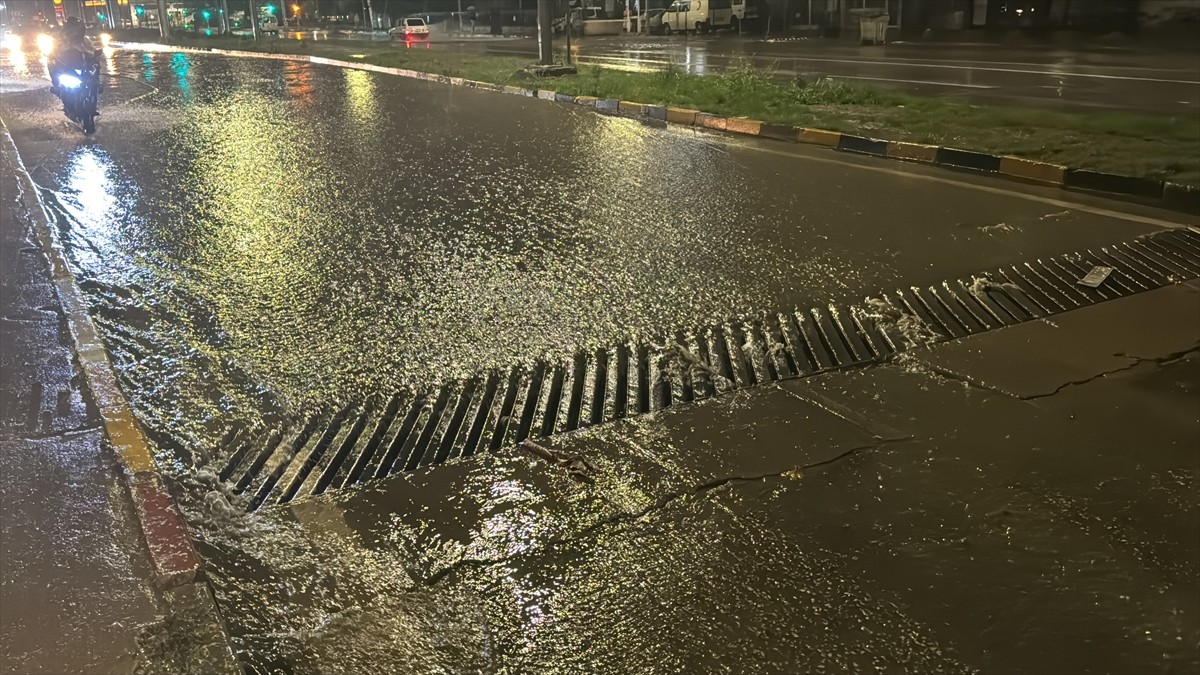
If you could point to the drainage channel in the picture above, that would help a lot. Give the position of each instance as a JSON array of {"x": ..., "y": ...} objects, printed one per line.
[{"x": 392, "y": 434}]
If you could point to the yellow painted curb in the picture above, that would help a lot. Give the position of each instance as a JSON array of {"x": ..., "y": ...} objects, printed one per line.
[
  {"x": 1038, "y": 172},
  {"x": 711, "y": 121},
  {"x": 829, "y": 139},
  {"x": 127, "y": 440},
  {"x": 743, "y": 126},
  {"x": 171, "y": 549},
  {"x": 630, "y": 107},
  {"x": 914, "y": 152},
  {"x": 681, "y": 116}
]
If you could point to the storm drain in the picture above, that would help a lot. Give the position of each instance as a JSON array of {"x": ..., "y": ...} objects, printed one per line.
[{"x": 393, "y": 434}]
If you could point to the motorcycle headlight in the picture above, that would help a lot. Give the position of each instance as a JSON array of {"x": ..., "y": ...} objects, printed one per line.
[{"x": 69, "y": 81}]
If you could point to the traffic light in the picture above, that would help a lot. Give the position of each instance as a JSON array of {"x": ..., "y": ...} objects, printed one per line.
[
  {"x": 141, "y": 10},
  {"x": 102, "y": 16},
  {"x": 204, "y": 14},
  {"x": 270, "y": 9}
]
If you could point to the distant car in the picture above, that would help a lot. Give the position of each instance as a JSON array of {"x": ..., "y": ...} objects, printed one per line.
[
  {"x": 654, "y": 21},
  {"x": 413, "y": 28},
  {"x": 269, "y": 25}
]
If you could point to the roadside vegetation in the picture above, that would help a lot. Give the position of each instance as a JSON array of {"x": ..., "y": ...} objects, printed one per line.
[{"x": 1130, "y": 144}]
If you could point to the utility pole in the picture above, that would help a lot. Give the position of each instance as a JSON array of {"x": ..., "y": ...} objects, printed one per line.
[
  {"x": 254, "y": 31},
  {"x": 567, "y": 32},
  {"x": 545, "y": 20},
  {"x": 225, "y": 17},
  {"x": 164, "y": 30},
  {"x": 370, "y": 17}
]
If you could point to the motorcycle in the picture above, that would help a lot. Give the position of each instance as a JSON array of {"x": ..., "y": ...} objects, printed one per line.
[{"x": 79, "y": 90}]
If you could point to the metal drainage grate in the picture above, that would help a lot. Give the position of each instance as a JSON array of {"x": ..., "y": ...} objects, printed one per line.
[{"x": 388, "y": 435}]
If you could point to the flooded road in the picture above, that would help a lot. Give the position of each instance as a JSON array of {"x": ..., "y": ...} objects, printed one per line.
[
  {"x": 883, "y": 520},
  {"x": 259, "y": 237}
]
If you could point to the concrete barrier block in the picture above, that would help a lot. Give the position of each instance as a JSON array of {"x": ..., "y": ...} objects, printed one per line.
[
  {"x": 564, "y": 98},
  {"x": 608, "y": 104},
  {"x": 913, "y": 152},
  {"x": 629, "y": 108},
  {"x": 966, "y": 159},
  {"x": 829, "y": 139},
  {"x": 682, "y": 116},
  {"x": 1115, "y": 183},
  {"x": 1037, "y": 172},
  {"x": 657, "y": 112},
  {"x": 546, "y": 95},
  {"x": 1182, "y": 197},
  {"x": 586, "y": 100},
  {"x": 741, "y": 125},
  {"x": 709, "y": 121},
  {"x": 780, "y": 132},
  {"x": 862, "y": 145}
]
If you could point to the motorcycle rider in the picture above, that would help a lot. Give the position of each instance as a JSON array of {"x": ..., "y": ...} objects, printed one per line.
[{"x": 74, "y": 51}]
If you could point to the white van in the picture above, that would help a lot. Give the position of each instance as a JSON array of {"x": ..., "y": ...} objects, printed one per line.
[
  {"x": 697, "y": 15},
  {"x": 742, "y": 10}
]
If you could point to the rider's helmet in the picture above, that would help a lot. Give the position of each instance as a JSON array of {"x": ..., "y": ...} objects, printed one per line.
[{"x": 73, "y": 29}]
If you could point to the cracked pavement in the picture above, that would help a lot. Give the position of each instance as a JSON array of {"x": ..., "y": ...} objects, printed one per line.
[{"x": 1020, "y": 501}]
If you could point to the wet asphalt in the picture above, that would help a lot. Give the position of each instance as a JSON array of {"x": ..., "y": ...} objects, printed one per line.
[
  {"x": 1116, "y": 80},
  {"x": 1021, "y": 501},
  {"x": 258, "y": 237}
]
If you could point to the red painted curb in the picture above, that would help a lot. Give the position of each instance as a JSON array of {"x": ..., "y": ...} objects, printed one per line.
[{"x": 171, "y": 549}]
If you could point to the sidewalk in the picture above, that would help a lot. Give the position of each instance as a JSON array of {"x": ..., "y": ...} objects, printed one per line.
[
  {"x": 72, "y": 563},
  {"x": 1018, "y": 501},
  {"x": 76, "y": 593}
]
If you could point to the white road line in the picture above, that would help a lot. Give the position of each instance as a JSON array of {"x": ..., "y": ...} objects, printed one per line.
[
  {"x": 1052, "y": 73},
  {"x": 931, "y": 62},
  {"x": 664, "y": 58},
  {"x": 892, "y": 79},
  {"x": 1016, "y": 194}
]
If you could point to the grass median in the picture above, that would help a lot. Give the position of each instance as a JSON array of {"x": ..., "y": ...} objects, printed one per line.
[{"x": 1137, "y": 145}]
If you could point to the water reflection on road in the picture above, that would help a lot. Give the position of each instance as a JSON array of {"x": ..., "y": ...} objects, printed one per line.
[{"x": 259, "y": 238}]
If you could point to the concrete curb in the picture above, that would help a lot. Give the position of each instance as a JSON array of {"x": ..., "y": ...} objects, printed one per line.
[
  {"x": 171, "y": 549},
  {"x": 1172, "y": 196}
]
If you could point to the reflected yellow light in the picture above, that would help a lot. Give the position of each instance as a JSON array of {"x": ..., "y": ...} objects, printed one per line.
[
  {"x": 45, "y": 43},
  {"x": 360, "y": 94},
  {"x": 16, "y": 55},
  {"x": 110, "y": 63},
  {"x": 105, "y": 39}
]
